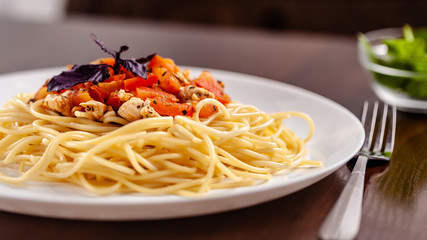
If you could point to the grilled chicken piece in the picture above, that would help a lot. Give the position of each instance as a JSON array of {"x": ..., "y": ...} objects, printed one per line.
[
  {"x": 136, "y": 108},
  {"x": 58, "y": 103},
  {"x": 131, "y": 109},
  {"x": 96, "y": 108},
  {"x": 147, "y": 111},
  {"x": 124, "y": 96}
]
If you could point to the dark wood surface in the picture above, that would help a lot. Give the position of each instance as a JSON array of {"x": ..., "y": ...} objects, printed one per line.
[{"x": 395, "y": 200}]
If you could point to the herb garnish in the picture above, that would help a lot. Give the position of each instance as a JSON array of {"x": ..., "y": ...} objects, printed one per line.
[
  {"x": 129, "y": 64},
  {"x": 78, "y": 74},
  {"x": 98, "y": 72}
]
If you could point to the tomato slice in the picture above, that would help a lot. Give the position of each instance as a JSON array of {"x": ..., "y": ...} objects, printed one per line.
[
  {"x": 169, "y": 83},
  {"x": 79, "y": 96},
  {"x": 167, "y": 63},
  {"x": 117, "y": 77},
  {"x": 224, "y": 99},
  {"x": 207, "y": 110},
  {"x": 109, "y": 61},
  {"x": 208, "y": 82},
  {"x": 159, "y": 71},
  {"x": 114, "y": 101},
  {"x": 151, "y": 79},
  {"x": 167, "y": 80},
  {"x": 132, "y": 83},
  {"x": 166, "y": 108},
  {"x": 95, "y": 93},
  {"x": 146, "y": 92},
  {"x": 106, "y": 88}
]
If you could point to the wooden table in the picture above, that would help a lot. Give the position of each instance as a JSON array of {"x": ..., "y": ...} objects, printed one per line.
[{"x": 395, "y": 199}]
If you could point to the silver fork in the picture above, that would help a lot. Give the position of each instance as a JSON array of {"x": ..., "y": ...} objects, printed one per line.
[{"x": 343, "y": 221}]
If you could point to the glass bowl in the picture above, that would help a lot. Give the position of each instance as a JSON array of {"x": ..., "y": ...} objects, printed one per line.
[{"x": 394, "y": 79}]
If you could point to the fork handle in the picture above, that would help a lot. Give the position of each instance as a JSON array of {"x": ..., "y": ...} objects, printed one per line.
[{"x": 343, "y": 221}]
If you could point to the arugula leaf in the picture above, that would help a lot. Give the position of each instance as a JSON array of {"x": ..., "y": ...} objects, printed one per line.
[{"x": 78, "y": 74}]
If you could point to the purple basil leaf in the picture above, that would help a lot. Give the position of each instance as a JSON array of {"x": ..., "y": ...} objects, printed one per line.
[
  {"x": 115, "y": 54},
  {"x": 78, "y": 74},
  {"x": 103, "y": 47},
  {"x": 118, "y": 60},
  {"x": 123, "y": 49},
  {"x": 146, "y": 59},
  {"x": 134, "y": 67}
]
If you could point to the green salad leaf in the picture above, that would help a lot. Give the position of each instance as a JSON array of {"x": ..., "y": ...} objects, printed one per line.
[{"x": 408, "y": 52}]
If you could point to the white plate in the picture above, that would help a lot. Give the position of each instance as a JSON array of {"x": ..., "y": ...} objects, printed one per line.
[{"x": 337, "y": 138}]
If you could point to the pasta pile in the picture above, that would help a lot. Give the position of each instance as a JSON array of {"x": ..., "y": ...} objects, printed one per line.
[{"x": 237, "y": 146}]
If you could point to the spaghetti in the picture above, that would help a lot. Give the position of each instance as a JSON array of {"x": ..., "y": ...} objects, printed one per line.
[{"x": 235, "y": 147}]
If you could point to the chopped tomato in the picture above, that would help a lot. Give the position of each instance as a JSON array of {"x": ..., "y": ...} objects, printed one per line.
[
  {"x": 128, "y": 74},
  {"x": 167, "y": 63},
  {"x": 106, "y": 88},
  {"x": 146, "y": 92},
  {"x": 78, "y": 86},
  {"x": 114, "y": 101},
  {"x": 169, "y": 83},
  {"x": 159, "y": 71},
  {"x": 207, "y": 110},
  {"x": 224, "y": 99},
  {"x": 208, "y": 82},
  {"x": 109, "y": 61},
  {"x": 111, "y": 71},
  {"x": 95, "y": 93},
  {"x": 151, "y": 79},
  {"x": 166, "y": 108},
  {"x": 132, "y": 83},
  {"x": 117, "y": 77},
  {"x": 41, "y": 93},
  {"x": 79, "y": 96}
]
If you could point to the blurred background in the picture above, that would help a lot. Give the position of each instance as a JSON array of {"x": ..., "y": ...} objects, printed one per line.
[
  {"x": 330, "y": 16},
  {"x": 296, "y": 32}
]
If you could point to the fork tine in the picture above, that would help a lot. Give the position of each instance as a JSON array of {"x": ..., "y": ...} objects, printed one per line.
[
  {"x": 392, "y": 133},
  {"x": 364, "y": 124},
  {"x": 370, "y": 135},
  {"x": 364, "y": 113},
  {"x": 380, "y": 139}
]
